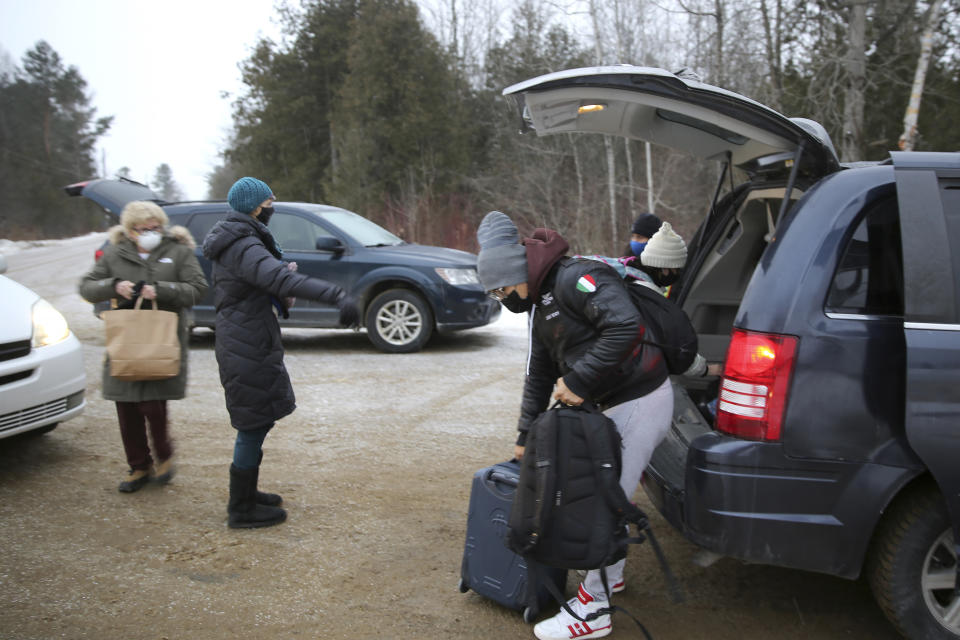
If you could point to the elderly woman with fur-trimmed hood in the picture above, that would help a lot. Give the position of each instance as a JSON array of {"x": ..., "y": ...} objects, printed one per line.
[{"x": 146, "y": 258}]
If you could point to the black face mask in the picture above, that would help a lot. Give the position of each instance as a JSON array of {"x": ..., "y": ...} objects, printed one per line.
[
  {"x": 265, "y": 214},
  {"x": 516, "y": 304},
  {"x": 662, "y": 279}
]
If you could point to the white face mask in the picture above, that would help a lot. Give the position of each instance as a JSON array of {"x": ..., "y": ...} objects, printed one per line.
[{"x": 149, "y": 240}]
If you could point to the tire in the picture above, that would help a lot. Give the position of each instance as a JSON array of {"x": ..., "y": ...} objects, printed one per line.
[
  {"x": 529, "y": 615},
  {"x": 912, "y": 567},
  {"x": 399, "y": 321},
  {"x": 462, "y": 586}
]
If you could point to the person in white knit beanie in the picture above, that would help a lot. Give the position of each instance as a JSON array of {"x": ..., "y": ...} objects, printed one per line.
[
  {"x": 664, "y": 256},
  {"x": 663, "y": 260}
]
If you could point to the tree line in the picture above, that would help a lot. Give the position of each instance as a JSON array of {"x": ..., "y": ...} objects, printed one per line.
[
  {"x": 48, "y": 135},
  {"x": 393, "y": 108}
]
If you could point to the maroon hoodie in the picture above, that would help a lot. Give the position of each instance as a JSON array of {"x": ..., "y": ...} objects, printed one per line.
[{"x": 544, "y": 248}]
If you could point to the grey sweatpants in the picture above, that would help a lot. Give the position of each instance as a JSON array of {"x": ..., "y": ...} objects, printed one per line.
[{"x": 643, "y": 423}]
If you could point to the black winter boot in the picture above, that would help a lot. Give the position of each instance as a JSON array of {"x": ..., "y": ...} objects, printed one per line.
[
  {"x": 269, "y": 499},
  {"x": 243, "y": 509}
]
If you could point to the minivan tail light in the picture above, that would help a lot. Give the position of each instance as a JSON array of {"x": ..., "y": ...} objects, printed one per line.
[{"x": 756, "y": 379}]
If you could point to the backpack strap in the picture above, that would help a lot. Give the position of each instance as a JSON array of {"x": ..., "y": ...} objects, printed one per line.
[
  {"x": 546, "y": 445},
  {"x": 600, "y": 447},
  {"x": 544, "y": 452},
  {"x": 536, "y": 574}
]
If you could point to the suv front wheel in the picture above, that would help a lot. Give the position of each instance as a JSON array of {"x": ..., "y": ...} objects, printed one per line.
[
  {"x": 399, "y": 321},
  {"x": 913, "y": 567}
]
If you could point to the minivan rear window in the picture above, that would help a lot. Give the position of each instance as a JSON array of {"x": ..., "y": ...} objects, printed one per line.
[
  {"x": 869, "y": 277},
  {"x": 950, "y": 195}
]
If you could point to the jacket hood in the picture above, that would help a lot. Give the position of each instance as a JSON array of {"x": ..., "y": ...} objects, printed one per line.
[
  {"x": 232, "y": 228},
  {"x": 178, "y": 233},
  {"x": 544, "y": 248}
]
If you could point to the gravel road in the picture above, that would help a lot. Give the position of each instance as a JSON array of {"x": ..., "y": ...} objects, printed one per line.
[{"x": 375, "y": 469}]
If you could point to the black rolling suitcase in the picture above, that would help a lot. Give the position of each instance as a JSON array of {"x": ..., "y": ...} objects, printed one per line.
[{"x": 489, "y": 567}]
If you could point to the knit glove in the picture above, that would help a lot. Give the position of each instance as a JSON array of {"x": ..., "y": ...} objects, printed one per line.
[{"x": 349, "y": 311}]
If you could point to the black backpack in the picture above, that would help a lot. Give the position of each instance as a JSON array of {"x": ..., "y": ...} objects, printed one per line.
[
  {"x": 569, "y": 510},
  {"x": 669, "y": 325},
  {"x": 670, "y": 328}
]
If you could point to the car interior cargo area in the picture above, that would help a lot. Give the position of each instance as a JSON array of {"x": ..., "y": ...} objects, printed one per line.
[{"x": 715, "y": 294}]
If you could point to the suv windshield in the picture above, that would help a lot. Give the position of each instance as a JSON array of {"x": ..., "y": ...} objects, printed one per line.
[{"x": 367, "y": 233}]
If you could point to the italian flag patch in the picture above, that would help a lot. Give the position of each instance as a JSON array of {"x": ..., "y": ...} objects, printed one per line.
[{"x": 586, "y": 284}]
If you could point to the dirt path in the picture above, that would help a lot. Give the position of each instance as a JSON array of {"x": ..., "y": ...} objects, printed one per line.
[{"x": 375, "y": 469}]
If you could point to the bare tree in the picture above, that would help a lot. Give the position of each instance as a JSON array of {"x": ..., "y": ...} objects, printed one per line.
[
  {"x": 607, "y": 140},
  {"x": 467, "y": 30},
  {"x": 717, "y": 13},
  {"x": 773, "y": 41},
  {"x": 851, "y": 145},
  {"x": 909, "y": 135}
]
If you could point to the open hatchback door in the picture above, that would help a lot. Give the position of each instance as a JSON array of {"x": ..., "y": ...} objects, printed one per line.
[
  {"x": 780, "y": 156},
  {"x": 657, "y": 106},
  {"x": 112, "y": 194}
]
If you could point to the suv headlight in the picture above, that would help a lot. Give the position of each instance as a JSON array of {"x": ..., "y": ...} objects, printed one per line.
[
  {"x": 458, "y": 277},
  {"x": 49, "y": 325}
]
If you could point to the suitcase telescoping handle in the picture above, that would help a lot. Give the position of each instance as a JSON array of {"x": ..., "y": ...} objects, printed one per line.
[{"x": 505, "y": 483}]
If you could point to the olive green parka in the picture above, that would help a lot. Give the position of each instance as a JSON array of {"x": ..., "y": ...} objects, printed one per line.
[{"x": 178, "y": 278}]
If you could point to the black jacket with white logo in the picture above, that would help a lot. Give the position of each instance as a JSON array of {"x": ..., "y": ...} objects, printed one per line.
[{"x": 587, "y": 330}]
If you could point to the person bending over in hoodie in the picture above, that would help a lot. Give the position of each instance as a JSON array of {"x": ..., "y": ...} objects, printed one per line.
[
  {"x": 585, "y": 345},
  {"x": 252, "y": 285}
]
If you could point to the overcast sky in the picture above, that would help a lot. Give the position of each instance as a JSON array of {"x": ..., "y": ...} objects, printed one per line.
[{"x": 159, "y": 68}]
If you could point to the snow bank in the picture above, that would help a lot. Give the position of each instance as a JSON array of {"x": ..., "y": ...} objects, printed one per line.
[{"x": 10, "y": 247}]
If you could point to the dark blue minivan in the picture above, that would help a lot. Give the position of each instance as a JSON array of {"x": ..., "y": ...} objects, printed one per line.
[
  {"x": 831, "y": 293},
  {"x": 406, "y": 291}
]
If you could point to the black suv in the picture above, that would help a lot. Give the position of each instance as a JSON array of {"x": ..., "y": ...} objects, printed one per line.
[
  {"x": 831, "y": 293},
  {"x": 406, "y": 291}
]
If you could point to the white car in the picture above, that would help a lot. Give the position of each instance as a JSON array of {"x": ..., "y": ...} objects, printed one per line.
[{"x": 42, "y": 378}]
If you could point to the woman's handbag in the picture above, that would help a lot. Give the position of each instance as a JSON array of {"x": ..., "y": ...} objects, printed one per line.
[{"x": 142, "y": 344}]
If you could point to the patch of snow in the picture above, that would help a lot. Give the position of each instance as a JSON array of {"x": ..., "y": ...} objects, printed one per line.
[{"x": 10, "y": 247}]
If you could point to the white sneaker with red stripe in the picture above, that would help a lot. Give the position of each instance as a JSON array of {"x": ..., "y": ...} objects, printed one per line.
[{"x": 563, "y": 626}]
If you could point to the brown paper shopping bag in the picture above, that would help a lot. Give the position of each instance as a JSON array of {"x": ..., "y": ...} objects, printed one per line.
[{"x": 142, "y": 343}]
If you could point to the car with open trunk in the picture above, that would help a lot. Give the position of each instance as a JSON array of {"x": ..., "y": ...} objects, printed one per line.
[{"x": 831, "y": 294}]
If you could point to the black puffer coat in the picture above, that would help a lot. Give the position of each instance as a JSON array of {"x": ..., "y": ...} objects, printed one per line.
[
  {"x": 248, "y": 276},
  {"x": 585, "y": 329}
]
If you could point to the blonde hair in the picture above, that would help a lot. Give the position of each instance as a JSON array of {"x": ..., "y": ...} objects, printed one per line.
[{"x": 141, "y": 211}]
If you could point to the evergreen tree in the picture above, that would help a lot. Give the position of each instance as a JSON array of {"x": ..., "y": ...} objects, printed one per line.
[
  {"x": 361, "y": 108},
  {"x": 541, "y": 182},
  {"x": 282, "y": 123},
  {"x": 164, "y": 184},
  {"x": 48, "y": 131},
  {"x": 220, "y": 180},
  {"x": 399, "y": 126},
  {"x": 814, "y": 80}
]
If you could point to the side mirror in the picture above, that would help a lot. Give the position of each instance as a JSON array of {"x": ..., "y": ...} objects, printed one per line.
[
  {"x": 329, "y": 243},
  {"x": 3, "y": 264}
]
